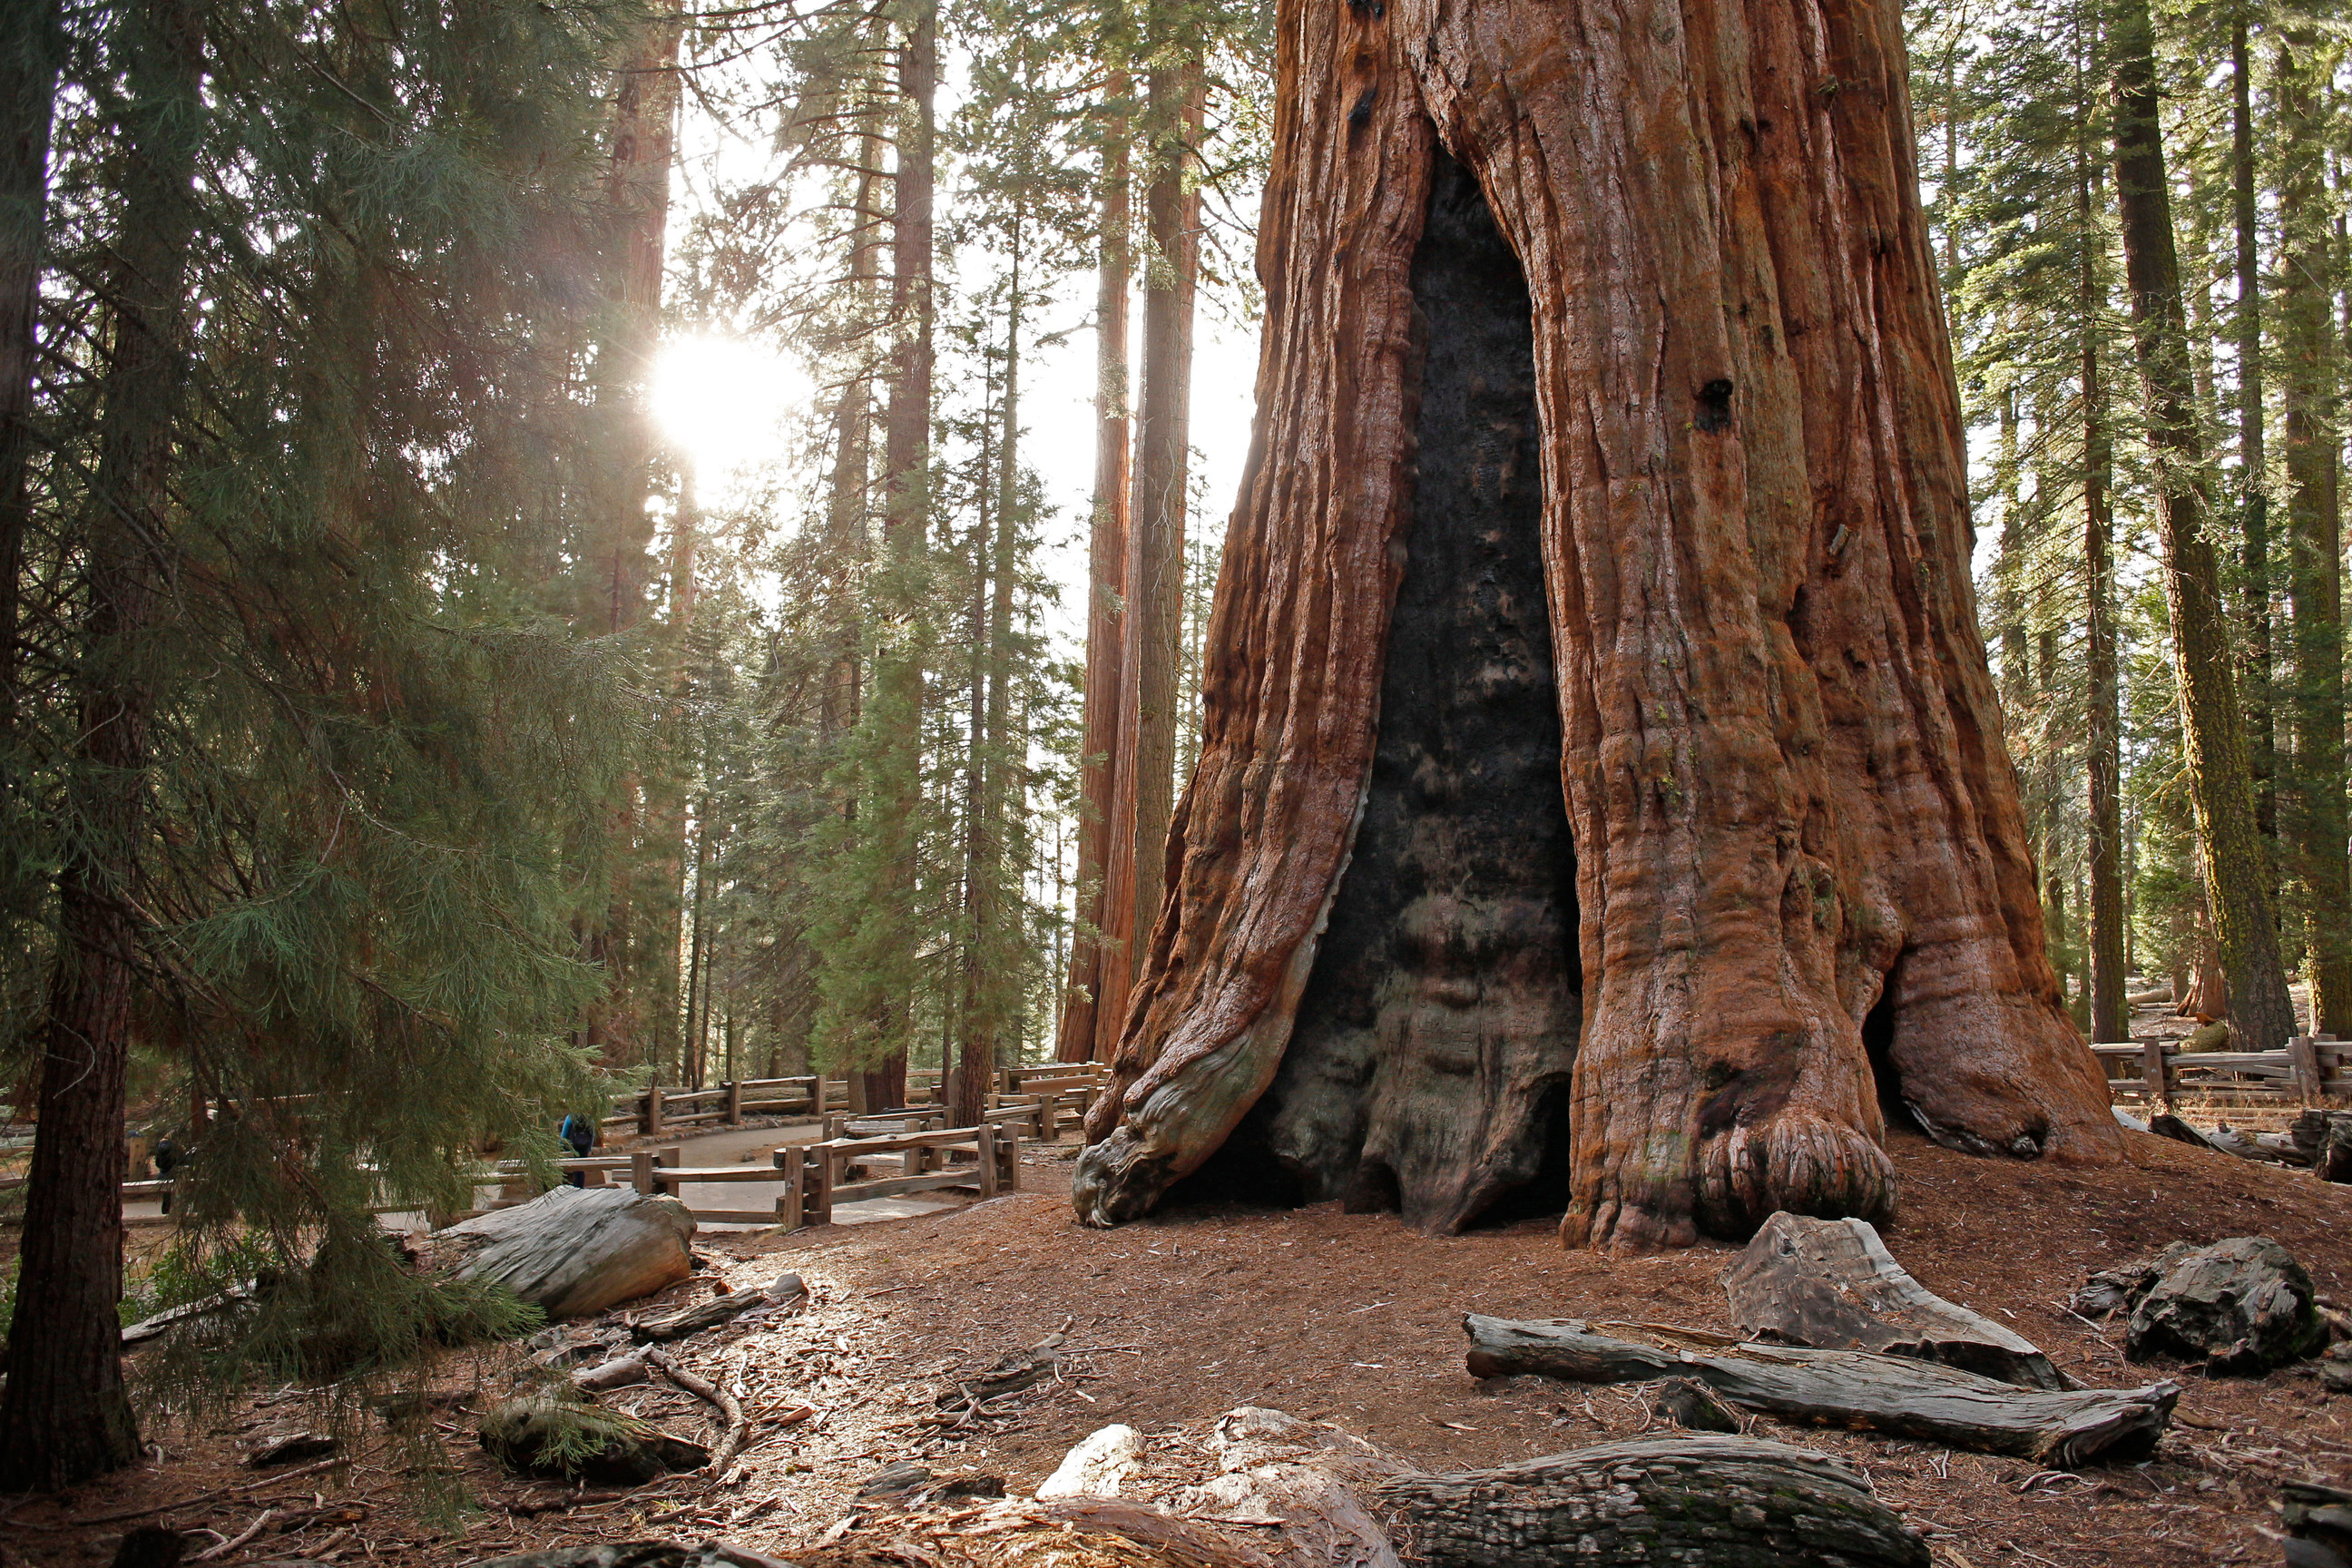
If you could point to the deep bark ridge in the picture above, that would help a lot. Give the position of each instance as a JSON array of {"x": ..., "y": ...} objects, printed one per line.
[{"x": 1788, "y": 800}]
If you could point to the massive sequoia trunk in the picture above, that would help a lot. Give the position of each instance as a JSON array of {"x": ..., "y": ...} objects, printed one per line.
[{"x": 1786, "y": 801}]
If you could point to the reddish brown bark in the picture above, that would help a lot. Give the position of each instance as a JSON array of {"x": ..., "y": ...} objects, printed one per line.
[
  {"x": 1151, "y": 628},
  {"x": 1082, "y": 1035},
  {"x": 65, "y": 1415},
  {"x": 1783, "y": 770}
]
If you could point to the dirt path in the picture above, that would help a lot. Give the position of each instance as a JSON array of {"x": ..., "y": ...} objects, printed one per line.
[{"x": 1356, "y": 1319}]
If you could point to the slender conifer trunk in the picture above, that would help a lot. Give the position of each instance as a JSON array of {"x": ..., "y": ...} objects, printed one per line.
[
  {"x": 30, "y": 45},
  {"x": 2314, "y": 830},
  {"x": 65, "y": 1415},
  {"x": 2110, "y": 1015},
  {"x": 906, "y": 479},
  {"x": 2238, "y": 870},
  {"x": 1143, "y": 793},
  {"x": 1082, "y": 1035},
  {"x": 994, "y": 762},
  {"x": 2254, "y": 498}
]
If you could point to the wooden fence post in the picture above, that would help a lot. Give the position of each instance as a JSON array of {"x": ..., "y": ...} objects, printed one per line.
[
  {"x": 2155, "y": 1077},
  {"x": 987, "y": 1161},
  {"x": 818, "y": 1192},
  {"x": 2302, "y": 1058},
  {"x": 734, "y": 1102},
  {"x": 1008, "y": 1155},
  {"x": 649, "y": 1110},
  {"x": 641, "y": 1170},
  {"x": 791, "y": 1205}
]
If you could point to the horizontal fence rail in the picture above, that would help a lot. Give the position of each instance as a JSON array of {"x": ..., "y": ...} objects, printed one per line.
[{"x": 2306, "y": 1071}]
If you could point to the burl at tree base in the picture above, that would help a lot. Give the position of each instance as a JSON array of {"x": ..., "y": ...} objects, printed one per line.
[{"x": 1606, "y": 415}]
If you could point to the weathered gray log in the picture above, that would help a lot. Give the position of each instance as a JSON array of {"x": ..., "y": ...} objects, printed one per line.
[
  {"x": 2318, "y": 1523},
  {"x": 2164, "y": 1124},
  {"x": 575, "y": 1250},
  {"x": 1841, "y": 1388},
  {"x": 2242, "y": 1305},
  {"x": 1832, "y": 1285},
  {"x": 1723, "y": 1502}
]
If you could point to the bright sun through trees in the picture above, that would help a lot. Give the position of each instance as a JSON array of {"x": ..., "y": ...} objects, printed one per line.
[{"x": 727, "y": 404}]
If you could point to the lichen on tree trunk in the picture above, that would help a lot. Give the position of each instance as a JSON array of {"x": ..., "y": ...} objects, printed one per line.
[{"x": 1785, "y": 783}]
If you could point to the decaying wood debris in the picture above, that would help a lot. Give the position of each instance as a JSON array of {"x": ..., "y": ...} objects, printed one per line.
[
  {"x": 1279, "y": 1492},
  {"x": 1841, "y": 1388},
  {"x": 1832, "y": 1285}
]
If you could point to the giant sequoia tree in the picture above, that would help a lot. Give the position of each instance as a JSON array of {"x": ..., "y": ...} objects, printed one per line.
[{"x": 1606, "y": 415}]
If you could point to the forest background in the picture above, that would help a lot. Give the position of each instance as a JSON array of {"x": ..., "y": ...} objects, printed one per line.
[{"x": 547, "y": 543}]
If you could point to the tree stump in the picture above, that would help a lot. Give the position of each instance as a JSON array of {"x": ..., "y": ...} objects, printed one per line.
[
  {"x": 1832, "y": 1285},
  {"x": 575, "y": 1250},
  {"x": 1840, "y": 1388},
  {"x": 2243, "y": 1305},
  {"x": 1723, "y": 1502}
]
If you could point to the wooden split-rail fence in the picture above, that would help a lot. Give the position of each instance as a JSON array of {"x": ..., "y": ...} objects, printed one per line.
[
  {"x": 919, "y": 1158},
  {"x": 1066, "y": 1089},
  {"x": 2308, "y": 1071},
  {"x": 1038, "y": 1101}
]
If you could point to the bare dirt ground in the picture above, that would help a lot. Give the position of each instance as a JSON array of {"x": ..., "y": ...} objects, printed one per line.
[{"x": 1350, "y": 1319}]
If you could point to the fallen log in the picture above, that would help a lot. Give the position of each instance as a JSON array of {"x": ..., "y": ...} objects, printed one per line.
[
  {"x": 575, "y": 1250},
  {"x": 1841, "y": 1388},
  {"x": 1832, "y": 1285},
  {"x": 2166, "y": 1125},
  {"x": 1726, "y": 1502}
]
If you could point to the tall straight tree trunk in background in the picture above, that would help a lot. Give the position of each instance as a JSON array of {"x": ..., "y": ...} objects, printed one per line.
[
  {"x": 637, "y": 195},
  {"x": 853, "y": 462},
  {"x": 65, "y": 1416},
  {"x": 1143, "y": 792},
  {"x": 2254, "y": 497},
  {"x": 2238, "y": 870},
  {"x": 640, "y": 954},
  {"x": 906, "y": 481},
  {"x": 2312, "y": 822},
  {"x": 2110, "y": 1013},
  {"x": 992, "y": 1001},
  {"x": 1082, "y": 1035},
  {"x": 1600, "y": 567},
  {"x": 31, "y": 44}
]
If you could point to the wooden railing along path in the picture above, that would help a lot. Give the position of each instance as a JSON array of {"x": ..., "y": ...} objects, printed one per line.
[
  {"x": 1068, "y": 1087},
  {"x": 2306, "y": 1071}
]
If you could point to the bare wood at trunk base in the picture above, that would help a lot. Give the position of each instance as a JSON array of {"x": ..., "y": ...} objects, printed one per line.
[
  {"x": 1884, "y": 1394},
  {"x": 1831, "y": 1285},
  {"x": 1725, "y": 1502}
]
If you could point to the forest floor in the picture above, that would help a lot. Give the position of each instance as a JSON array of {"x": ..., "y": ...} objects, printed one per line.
[{"x": 1350, "y": 1319}]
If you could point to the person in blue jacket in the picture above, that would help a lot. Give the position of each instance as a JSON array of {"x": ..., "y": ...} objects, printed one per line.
[{"x": 581, "y": 1133}]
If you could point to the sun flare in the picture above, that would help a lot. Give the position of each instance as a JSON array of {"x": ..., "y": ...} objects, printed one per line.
[{"x": 724, "y": 402}]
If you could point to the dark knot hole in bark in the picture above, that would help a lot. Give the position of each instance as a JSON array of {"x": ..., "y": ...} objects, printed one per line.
[
  {"x": 1428, "y": 1068},
  {"x": 1879, "y": 1045},
  {"x": 1714, "y": 407}
]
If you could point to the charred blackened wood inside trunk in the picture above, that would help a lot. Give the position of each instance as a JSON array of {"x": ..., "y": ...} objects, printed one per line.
[{"x": 1429, "y": 1065}]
